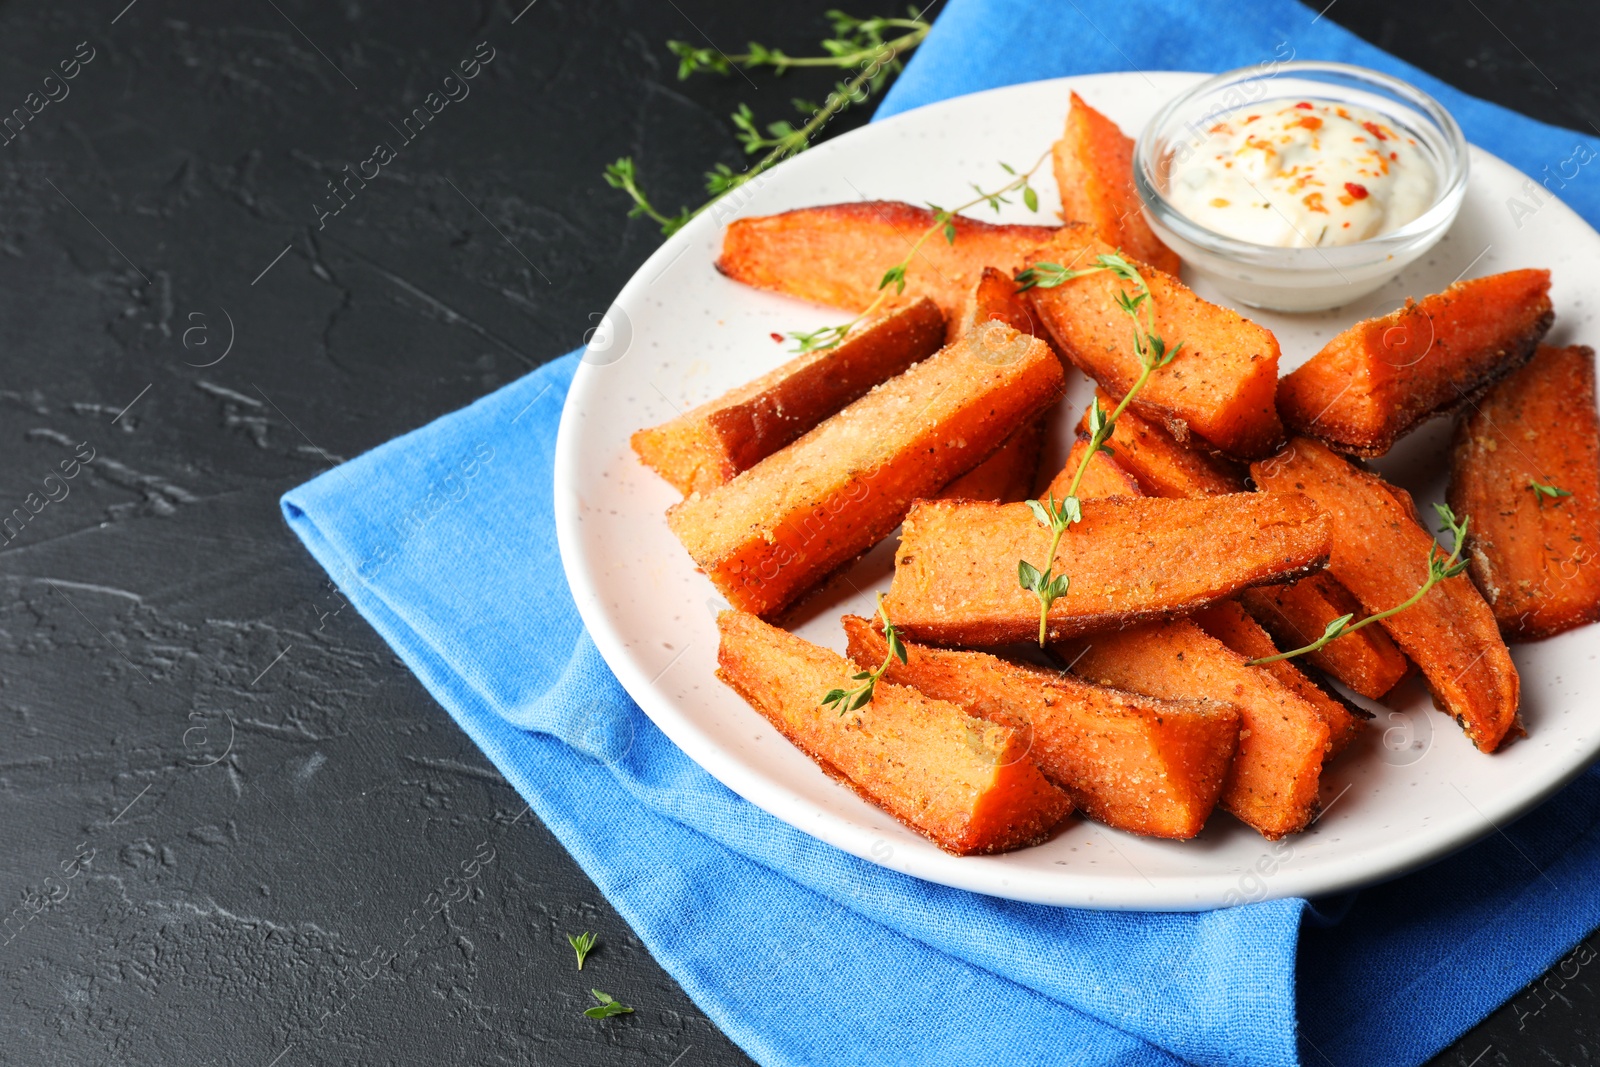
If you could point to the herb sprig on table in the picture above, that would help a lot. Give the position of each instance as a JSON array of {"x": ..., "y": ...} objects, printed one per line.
[
  {"x": 944, "y": 221},
  {"x": 1135, "y": 302},
  {"x": 607, "y": 1007},
  {"x": 851, "y": 699},
  {"x": 878, "y": 46},
  {"x": 582, "y": 945},
  {"x": 1440, "y": 567}
]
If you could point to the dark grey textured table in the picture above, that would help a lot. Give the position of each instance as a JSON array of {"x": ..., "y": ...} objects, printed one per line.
[{"x": 235, "y": 799}]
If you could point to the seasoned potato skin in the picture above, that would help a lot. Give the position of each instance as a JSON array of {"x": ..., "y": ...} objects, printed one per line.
[
  {"x": 836, "y": 254},
  {"x": 1283, "y": 741},
  {"x": 1380, "y": 554},
  {"x": 1229, "y": 623},
  {"x": 1534, "y": 557},
  {"x": 771, "y": 534},
  {"x": 1094, "y": 170},
  {"x": 703, "y": 448},
  {"x": 1297, "y": 613},
  {"x": 1141, "y": 764},
  {"x": 965, "y": 784},
  {"x": 1221, "y": 385},
  {"x": 1130, "y": 560},
  {"x": 1382, "y": 377}
]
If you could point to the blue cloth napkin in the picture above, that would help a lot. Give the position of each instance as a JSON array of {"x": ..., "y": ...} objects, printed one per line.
[{"x": 444, "y": 540}]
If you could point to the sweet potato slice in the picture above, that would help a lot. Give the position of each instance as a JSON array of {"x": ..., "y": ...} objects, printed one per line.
[
  {"x": 837, "y": 254},
  {"x": 1104, "y": 478},
  {"x": 1229, "y": 623},
  {"x": 707, "y": 446},
  {"x": 1272, "y": 784},
  {"x": 965, "y": 784},
  {"x": 1162, "y": 466},
  {"x": 1297, "y": 613},
  {"x": 1094, "y": 170},
  {"x": 1380, "y": 554},
  {"x": 1380, "y": 378},
  {"x": 1532, "y": 554},
  {"x": 1129, "y": 560},
  {"x": 1219, "y": 388},
  {"x": 1008, "y": 475},
  {"x": 776, "y": 530},
  {"x": 1138, "y": 763}
]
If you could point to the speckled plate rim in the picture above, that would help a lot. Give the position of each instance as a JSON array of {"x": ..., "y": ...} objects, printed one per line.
[{"x": 1414, "y": 792}]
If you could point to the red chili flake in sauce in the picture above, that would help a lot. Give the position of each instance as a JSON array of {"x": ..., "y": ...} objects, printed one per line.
[
  {"x": 1372, "y": 128},
  {"x": 1356, "y": 189},
  {"x": 1304, "y": 104},
  {"x": 778, "y": 337},
  {"x": 1310, "y": 122}
]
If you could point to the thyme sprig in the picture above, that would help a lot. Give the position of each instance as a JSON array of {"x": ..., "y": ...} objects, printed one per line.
[
  {"x": 1542, "y": 492},
  {"x": 582, "y": 945},
  {"x": 1153, "y": 354},
  {"x": 607, "y": 1007},
  {"x": 862, "y": 43},
  {"x": 851, "y": 699},
  {"x": 944, "y": 222},
  {"x": 1440, "y": 567}
]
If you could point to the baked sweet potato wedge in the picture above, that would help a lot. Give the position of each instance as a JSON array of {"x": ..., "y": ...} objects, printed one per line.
[
  {"x": 776, "y": 530},
  {"x": 1162, "y": 466},
  {"x": 1229, "y": 623},
  {"x": 1129, "y": 560},
  {"x": 702, "y": 448},
  {"x": 1008, "y": 474},
  {"x": 1380, "y": 554},
  {"x": 1094, "y": 170},
  {"x": 1532, "y": 551},
  {"x": 1219, "y": 388},
  {"x": 836, "y": 254},
  {"x": 1104, "y": 478},
  {"x": 1272, "y": 783},
  {"x": 964, "y": 783},
  {"x": 1138, "y": 763},
  {"x": 1380, "y": 378},
  {"x": 1297, "y": 613}
]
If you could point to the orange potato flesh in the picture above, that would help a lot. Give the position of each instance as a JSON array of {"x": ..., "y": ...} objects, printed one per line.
[
  {"x": 996, "y": 297},
  {"x": 1104, "y": 478},
  {"x": 707, "y": 446},
  {"x": 1380, "y": 554},
  {"x": 1162, "y": 465},
  {"x": 1138, "y": 763},
  {"x": 1094, "y": 170},
  {"x": 1129, "y": 560},
  {"x": 1272, "y": 784},
  {"x": 1229, "y": 623},
  {"x": 1220, "y": 387},
  {"x": 1008, "y": 474},
  {"x": 1297, "y": 613},
  {"x": 1381, "y": 377},
  {"x": 779, "y": 528},
  {"x": 1533, "y": 556},
  {"x": 836, "y": 254},
  {"x": 965, "y": 784}
]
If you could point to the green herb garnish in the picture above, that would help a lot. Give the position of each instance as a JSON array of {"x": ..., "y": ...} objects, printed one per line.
[
  {"x": 851, "y": 699},
  {"x": 857, "y": 43},
  {"x": 1153, "y": 354},
  {"x": 581, "y": 945},
  {"x": 607, "y": 1007},
  {"x": 1440, "y": 567},
  {"x": 1542, "y": 492}
]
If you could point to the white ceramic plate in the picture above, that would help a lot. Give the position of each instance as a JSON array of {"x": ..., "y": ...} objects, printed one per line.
[{"x": 679, "y": 334}]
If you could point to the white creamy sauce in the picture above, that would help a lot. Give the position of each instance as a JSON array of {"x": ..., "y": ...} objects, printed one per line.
[{"x": 1303, "y": 173}]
